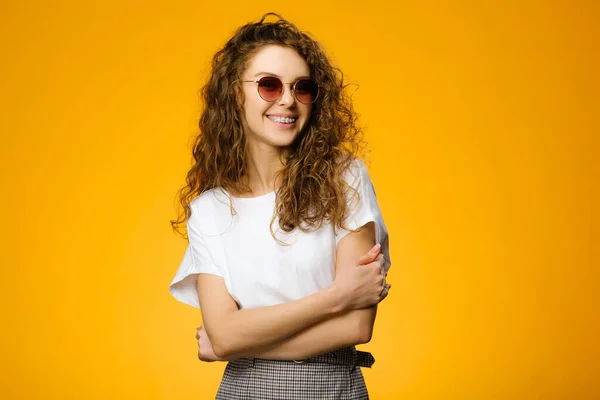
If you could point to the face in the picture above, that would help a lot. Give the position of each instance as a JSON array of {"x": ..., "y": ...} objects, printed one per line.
[{"x": 278, "y": 123}]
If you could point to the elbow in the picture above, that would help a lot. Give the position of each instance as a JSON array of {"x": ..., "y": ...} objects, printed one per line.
[
  {"x": 365, "y": 333},
  {"x": 221, "y": 345},
  {"x": 220, "y": 351},
  {"x": 222, "y": 348},
  {"x": 227, "y": 344},
  {"x": 365, "y": 321}
]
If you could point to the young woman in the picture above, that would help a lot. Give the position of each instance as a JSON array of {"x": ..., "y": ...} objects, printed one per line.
[{"x": 288, "y": 250}]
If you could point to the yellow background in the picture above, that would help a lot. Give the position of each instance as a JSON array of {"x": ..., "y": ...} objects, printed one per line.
[{"x": 479, "y": 117}]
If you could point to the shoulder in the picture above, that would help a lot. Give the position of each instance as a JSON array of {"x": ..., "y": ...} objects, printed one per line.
[
  {"x": 355, "y": 172},
  {"x": 209, "y": 200},
  {"x": 211, "y": 212}
]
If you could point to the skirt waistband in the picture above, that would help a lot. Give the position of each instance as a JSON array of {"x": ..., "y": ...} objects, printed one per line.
[{"x": 345, "y": 356}]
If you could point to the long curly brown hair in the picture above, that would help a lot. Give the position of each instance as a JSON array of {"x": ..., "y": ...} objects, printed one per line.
[{"x": 312, "y": 187}]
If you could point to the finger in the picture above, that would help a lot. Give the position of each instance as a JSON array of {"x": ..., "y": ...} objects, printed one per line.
[
  {"x": 385, "y": 288},
  {"x": 370, "y": 256},
  {"x": 384, "y": 294},
  {"x": 381, "y": 261},
  {"x": 384, "y": 272}
]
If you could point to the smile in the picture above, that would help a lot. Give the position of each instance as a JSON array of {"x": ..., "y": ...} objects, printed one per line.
[{"x": 282, "y": 120}]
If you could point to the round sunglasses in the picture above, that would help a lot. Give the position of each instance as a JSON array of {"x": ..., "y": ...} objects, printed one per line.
[{"x": 270, "y": 89}]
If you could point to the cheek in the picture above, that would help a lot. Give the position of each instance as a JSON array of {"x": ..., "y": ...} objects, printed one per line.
[
  {"x": 307, "y": 110},
  {"x": 249, "y": 112},
  {"x": 253, "y": 117},
  {"x": 253, "y": 109},
  {"x": 307, "y": 115}
]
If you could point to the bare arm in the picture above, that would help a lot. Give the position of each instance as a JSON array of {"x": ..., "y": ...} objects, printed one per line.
[
  {"x": 276, "y": 333},
  {"x": 233, "y": 331},
  {"x": 332, "y": 334},
  {"x": 344, "y": 329}
]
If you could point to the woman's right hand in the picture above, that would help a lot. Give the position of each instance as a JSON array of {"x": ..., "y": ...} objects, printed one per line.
[{"x": 364, "y": 284}]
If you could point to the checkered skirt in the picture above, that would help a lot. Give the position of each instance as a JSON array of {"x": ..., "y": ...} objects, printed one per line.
[{"x": 334, "y": 375}]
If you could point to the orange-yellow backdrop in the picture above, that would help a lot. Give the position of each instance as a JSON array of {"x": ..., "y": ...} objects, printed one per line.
[{"x": 478, "y": 115}]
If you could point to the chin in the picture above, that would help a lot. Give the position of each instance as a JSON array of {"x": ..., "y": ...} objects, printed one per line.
[
  {"x": 282, "y": 142},
  {"x": 282, "y": 139}
]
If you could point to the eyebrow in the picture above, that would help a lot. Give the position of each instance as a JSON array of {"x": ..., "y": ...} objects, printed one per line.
[{"x": 277, "y": 76}]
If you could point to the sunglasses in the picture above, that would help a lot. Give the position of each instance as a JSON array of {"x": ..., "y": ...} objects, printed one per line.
[{"x": 270, "y": 89}]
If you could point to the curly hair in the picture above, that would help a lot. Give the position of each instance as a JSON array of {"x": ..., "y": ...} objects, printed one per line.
[{"x": 312, "y": 187}]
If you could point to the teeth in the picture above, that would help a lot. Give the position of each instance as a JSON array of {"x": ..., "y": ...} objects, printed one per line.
[{"x": 284, "y": 120}]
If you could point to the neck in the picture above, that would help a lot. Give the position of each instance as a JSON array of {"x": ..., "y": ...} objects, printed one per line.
[{"x": 263, "y": 163}]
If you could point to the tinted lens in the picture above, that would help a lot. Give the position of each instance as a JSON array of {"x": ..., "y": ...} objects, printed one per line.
[
  {"x": 306, "y": 91},
  {"x": 269, "y": 88}
]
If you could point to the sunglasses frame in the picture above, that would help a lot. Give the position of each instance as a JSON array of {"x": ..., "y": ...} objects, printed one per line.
[{"x": 282, "y": 89}]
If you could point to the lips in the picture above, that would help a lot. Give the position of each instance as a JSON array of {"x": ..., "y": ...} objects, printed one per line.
[{"x": 283, "y": 119}]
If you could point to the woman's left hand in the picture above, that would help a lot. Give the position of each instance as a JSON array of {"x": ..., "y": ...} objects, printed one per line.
[{"x": 205, "y": 350}]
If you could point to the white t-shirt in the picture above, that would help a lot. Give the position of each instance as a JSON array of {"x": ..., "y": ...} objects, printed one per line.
[{"x": 256, "y": 269}]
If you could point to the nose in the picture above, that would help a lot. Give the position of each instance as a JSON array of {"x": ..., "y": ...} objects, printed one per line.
[{"x": 287, "y": 97}]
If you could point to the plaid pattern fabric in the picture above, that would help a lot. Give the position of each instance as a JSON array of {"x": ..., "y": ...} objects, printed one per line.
[
  {"x": 334, "y": 375},
  {"x": 345, "y": 356}
]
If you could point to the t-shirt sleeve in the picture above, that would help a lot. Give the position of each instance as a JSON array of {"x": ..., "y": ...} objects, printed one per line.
[
  {"x": 363, "y": 208},
  {"x": 197, "y": 259}
]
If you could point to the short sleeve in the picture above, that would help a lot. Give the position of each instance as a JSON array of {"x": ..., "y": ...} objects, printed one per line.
[
  {"x": 363, "y": 208},
  {"x": 197, "y": 259}
]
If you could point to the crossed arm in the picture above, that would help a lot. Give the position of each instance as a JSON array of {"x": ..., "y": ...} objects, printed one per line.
[{"x": 338, "y": 316}]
